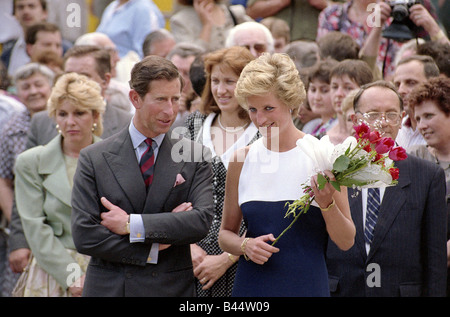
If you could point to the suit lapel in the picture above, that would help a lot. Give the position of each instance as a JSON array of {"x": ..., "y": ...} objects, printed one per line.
[
  {"x": 122, "y": 161},
  {"x": 165, "y": 172},
  {"x": 393, "y": 200},
  {"x": 53, "y": 169},
  {"x": 355, "y": 201}
]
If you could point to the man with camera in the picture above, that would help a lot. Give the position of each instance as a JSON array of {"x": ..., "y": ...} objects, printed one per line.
[
  {"x": 368, "y": 22},
  {"x": 412, "y": 14}
]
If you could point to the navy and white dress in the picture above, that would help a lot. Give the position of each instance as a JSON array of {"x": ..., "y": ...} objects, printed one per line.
[
  {"x": 267, "y": 181},
  {"x": 200, "y": 129}
]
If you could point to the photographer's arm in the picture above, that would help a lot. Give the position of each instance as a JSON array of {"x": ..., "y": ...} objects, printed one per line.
[{"x": 421, "y": 17}]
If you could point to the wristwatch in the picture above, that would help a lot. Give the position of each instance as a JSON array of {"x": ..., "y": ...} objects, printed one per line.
[{"x": 127, "y": 226}]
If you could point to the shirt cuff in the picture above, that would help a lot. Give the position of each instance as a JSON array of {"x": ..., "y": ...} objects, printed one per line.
[
  {"x": 137, "y": 234},
  {"x": 137, "y": 231}
]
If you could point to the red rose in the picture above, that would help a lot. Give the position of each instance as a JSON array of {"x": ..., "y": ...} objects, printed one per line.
[
  {"x": 384, "y": 145},
  {"x": 398, "y": 154},
  {"x": 394, "y": 173},
  {"x": 362, "y": 131},
  {"x": 374, "y": 137}
]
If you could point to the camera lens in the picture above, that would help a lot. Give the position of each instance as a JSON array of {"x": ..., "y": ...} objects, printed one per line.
[{"x": 399, "y": 12}]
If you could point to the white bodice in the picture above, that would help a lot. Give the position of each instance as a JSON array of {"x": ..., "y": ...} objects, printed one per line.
[{"x": 273, "y": 176}]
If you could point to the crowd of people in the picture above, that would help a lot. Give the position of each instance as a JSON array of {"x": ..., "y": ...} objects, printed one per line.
[{"x": 156, "y": 155}]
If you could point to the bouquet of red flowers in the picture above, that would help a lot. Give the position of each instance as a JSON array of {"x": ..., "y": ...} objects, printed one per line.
[{"x": 365, "y": 160}]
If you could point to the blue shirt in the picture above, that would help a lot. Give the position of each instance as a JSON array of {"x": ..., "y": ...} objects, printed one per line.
[
  {"x": 137, "y": 230},
  {"x": 128, "y": 25}
]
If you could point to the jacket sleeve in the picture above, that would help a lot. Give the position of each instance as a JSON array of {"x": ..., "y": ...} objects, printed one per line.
[
  {"x": 30, "y": 195},
  {"x": 187, "y": 226},
  {"x": 89, "y": 235},
  {"x": 435, "y": 223}
]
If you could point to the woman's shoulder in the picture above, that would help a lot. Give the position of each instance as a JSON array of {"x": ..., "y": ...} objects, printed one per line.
[{"x": 29, "y": 157}]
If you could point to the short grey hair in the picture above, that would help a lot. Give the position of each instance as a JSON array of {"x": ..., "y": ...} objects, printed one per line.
[
  {"x": 185, "y": 49},
  {"x": 154, "y": 37},
  {"x": 28, "y": 70},
  {"x": 253, "y": 25}
]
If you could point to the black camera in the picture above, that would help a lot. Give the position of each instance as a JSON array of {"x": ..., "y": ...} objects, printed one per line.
[{"x": 402, "y": 29}]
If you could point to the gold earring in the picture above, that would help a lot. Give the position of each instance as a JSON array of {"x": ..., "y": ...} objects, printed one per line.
[
  {"x": 94, "y": 127},
  {"x": 58, "y": 129}
]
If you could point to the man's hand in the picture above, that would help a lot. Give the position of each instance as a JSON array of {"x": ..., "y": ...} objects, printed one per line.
[{"x": 115, "y": 219}]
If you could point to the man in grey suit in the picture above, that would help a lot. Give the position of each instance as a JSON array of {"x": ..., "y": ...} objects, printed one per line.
[
  {"x": 94, "y": 63},
  {"x": 139, "y": 236},
  {"x": 407, "y": 255}
]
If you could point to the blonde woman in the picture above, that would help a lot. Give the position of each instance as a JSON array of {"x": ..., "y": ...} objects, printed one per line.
[
  {"x": 43, "y": 186},
  {"x": 263, "y": 177}
]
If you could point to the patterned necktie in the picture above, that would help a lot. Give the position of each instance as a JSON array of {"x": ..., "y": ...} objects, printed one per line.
[
  {"x": 373, "y": 205},
  {"x": 147, "y": 162}
]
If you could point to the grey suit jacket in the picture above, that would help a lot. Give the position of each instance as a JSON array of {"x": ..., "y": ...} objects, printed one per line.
[
  {"x": 408, "y": 255},
  {"x": 43, "y": 128},
  {"x": 118, "y": 267}
]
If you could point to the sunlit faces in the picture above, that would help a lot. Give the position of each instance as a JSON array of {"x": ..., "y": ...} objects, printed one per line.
[
  {"x": 34, "y": 92},
  {"x": 223, "y": 83},
  {"x": 339, "y": 89},
  {"x": 432, "y": 123},
  {"x": 319, "y": 98},
  {"x": 380, "y": 99},
  {"x": 75, "y": 124},
  {"x": 269, "y": 114},
  {"x": 157, "y": 110}
]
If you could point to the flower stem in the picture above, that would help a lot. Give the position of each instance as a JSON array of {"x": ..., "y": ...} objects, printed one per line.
[{"x": 304, "y": 210}]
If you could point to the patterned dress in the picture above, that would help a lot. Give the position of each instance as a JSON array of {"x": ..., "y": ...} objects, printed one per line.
[
  {"x": 199, "y": 127},
  {"x": 335, "y": 18}
]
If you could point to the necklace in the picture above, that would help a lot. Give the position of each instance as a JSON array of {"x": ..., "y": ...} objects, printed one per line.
[{"x": 231, "y": 130}]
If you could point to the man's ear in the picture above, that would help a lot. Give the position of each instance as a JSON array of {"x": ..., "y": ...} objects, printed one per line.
[
  {"x": 135, "y": 98},
  {"x": 106, "y": 80},
  {"x": 29, "y": 49}
]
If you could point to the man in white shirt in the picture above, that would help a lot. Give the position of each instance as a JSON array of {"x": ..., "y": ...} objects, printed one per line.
[{"x": 410, "y": 72}]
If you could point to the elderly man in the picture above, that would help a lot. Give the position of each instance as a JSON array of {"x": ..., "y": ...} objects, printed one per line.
[
  {"x": 401, "y": 231},
  {"x": 252, "y": 35}
]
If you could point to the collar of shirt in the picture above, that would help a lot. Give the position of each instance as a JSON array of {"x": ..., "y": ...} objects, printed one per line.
[{"x": 137, "y": 138}]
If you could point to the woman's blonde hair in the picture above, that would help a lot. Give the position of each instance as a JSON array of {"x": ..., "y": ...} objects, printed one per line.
[
  {"x": 272, "y": 73},
  {"x": 80, "y": 90}
]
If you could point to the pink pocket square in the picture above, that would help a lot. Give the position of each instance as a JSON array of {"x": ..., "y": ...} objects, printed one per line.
[{"x": 179, "y": 180}]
